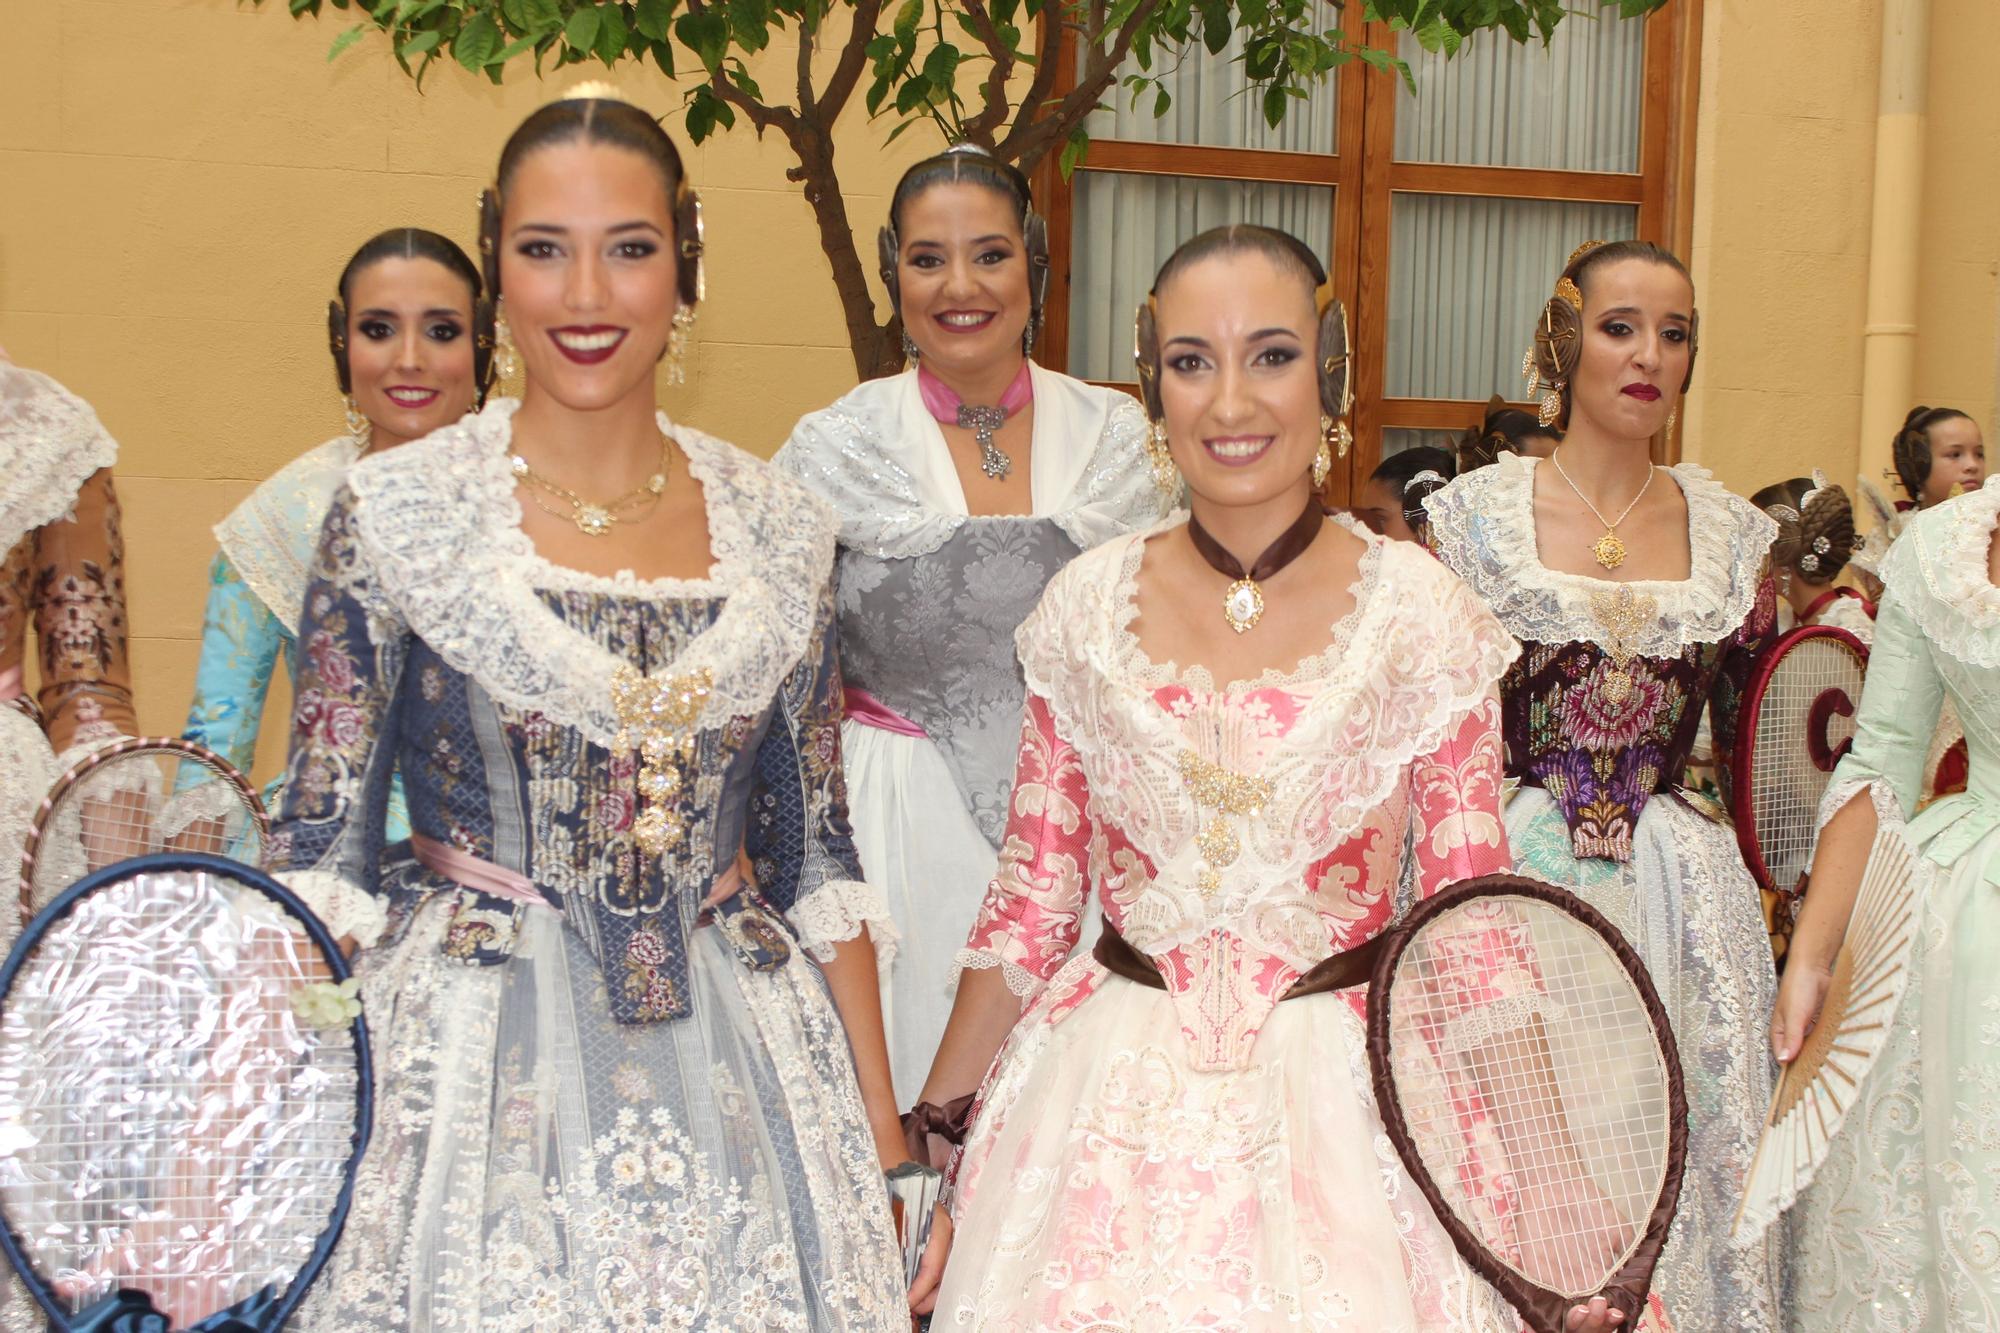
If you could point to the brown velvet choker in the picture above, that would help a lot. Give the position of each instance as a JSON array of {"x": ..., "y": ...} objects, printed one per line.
[{"x": 1243, "y": 603}]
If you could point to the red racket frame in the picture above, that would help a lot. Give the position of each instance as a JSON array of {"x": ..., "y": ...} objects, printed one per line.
[
  {"x": 1743, "y": 809},
  {"x": 104, "y": 754}
]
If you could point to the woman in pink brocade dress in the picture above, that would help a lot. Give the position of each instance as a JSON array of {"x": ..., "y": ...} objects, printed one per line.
[{"x": 1178, "y": 1131}]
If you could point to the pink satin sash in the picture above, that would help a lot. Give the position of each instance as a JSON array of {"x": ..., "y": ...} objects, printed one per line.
[
  {"x": 866, "y": 709},
  {"x": 476, "y": 873},
  {"x": 942, "y": 401},
  {"x": 13, "y": 685}
]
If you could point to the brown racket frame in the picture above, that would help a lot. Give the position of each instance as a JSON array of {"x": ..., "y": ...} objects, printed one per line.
[
  {"x": 1543, "y": 1310},
  {"x": 1742, "y": 804},
  {"x": 103, "y": 755}
]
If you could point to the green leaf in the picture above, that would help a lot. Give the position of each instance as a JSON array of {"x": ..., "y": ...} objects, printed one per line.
[
  {"x": 655, "y": 19},
  {"x": 1274, "y": 104},
  {"x": 750, "y": 22},
  {"x": 419, "y": 44},
  {"x": 912, "y": 95},
  {"x": 581, "y": 30},
  {"x": 907, "y": 18},
  {"x": 508, "y": 52},
  {"x": 299, "y": 7},
  {"x": 345, "y": 40},
  {"x": 706, "y": 34},
  {"x": 535, "y": 16},
  {"x": 611, "y": 34},
  {"x": 1162, "y": 101},
  {"x": 700, "y": 121},
  {"x": 1073, "y": 151},
  {"x": 941, "y": 65},
  {"x": 477, "y": 41}
]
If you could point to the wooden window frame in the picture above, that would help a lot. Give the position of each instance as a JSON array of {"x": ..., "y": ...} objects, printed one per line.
[{"x": 1365, "y": 177}]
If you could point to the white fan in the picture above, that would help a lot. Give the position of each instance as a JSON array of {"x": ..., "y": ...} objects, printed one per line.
[{"x": 1822, "y": 1083}]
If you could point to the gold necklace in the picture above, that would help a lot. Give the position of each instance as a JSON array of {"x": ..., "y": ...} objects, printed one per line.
[
  {"x": 593, "y": 520},
  {"x": 1607, "y": 550}
]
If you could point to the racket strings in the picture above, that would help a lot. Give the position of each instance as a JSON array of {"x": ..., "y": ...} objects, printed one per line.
[
  {"x": 139, "y": 799},
  {"x": 1786, "y": 779},
  {"x": 1573, "y": 1088},
  {"x": 169, "y": 1123}
]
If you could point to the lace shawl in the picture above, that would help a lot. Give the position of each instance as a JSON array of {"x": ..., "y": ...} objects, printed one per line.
[
  {"x": 844, "y": 454},
  {"x": 50, "y": 443},
  {"x": 1484, "y": 527},
  {"x": 1940, "y": 570},
  {"x": 1421, "y": 654},
  {"x": 440, "y": 525},
  {"x": 271, "y": 536}
]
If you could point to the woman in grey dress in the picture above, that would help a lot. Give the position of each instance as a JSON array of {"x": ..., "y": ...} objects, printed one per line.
[{"x": 962, "y": 486}]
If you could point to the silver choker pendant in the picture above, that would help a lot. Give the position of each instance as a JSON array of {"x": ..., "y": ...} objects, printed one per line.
[{"x": 982, "y": 422}]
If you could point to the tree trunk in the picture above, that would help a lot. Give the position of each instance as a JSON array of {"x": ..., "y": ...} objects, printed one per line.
[{"x": 875, "y": 346}]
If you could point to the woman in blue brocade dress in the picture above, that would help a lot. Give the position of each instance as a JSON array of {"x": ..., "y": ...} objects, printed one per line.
[
  {"x": 946, "y": 546},
  {"x": 1640, "y": 596},
  {"x": 412, "y": 340},
  {"x": 614, "y": 1091}
]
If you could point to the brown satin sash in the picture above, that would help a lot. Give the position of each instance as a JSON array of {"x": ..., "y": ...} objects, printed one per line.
[{"x": 1338, "y": 972}]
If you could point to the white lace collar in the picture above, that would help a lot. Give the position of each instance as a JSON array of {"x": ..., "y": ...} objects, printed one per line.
[
  {"x": 1417, "y": 653},
  {"x": 441, "y": 529},
  {"x": 50, "y": 443},
  {"x": 1484, "y": 527},
  {"x": 270, "y": 538},
  {"x": 878, "y": 457},
  {"x": 1939, "y": 569}
]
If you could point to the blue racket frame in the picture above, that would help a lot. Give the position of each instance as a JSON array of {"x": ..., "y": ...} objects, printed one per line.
[{"x": 364, "y": 1091}]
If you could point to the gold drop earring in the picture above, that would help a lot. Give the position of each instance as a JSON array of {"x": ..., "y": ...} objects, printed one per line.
[
  {"x": 1323, "y": 458},
  {"x": 1166, "y": 475},
  {"x": 506, "y": 363},
  {"x": 677, "y": 344}
]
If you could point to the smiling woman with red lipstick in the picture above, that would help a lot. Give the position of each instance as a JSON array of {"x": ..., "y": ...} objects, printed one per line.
[
  {"x": 626, "y": 955},
  {"x": 1641, "y": 596},
  {"x": 962, "y": 486},
  {"x": 411, "y": 337},
  {"x": 1245, "y": 732}
]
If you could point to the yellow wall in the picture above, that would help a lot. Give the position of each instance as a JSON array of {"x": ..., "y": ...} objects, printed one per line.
[
  {"x": 1785, "y": 159},
  {"x": 180, "y": 182}
]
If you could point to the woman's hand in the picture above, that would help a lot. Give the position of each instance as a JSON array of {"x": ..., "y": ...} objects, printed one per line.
[
  {"x": 930, "y": 1270},
  {"x": 1596, "y": 1317},
  {"x": 1801, "y": 993}
]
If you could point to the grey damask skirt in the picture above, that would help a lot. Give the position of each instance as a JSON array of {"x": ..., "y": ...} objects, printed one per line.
[{"x": 536, "y": 1165}]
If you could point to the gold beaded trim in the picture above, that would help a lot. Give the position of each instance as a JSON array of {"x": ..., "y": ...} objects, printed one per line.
[{"x": 657, "y": 718}]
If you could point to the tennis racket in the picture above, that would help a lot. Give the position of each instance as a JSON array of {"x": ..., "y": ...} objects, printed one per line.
[
  {"x": 1797, "y": 721},
  {"x": 1507, "y": 1012},
  {"x": 133, "y": 798},
  {"x": 185, "y": 1094}
]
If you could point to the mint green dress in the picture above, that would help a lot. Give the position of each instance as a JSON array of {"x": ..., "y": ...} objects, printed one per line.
[{"x": 1901, "y": 1229}]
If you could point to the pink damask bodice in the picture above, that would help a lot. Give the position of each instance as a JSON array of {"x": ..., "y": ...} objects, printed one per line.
[{"x": 1239, "y": 836}]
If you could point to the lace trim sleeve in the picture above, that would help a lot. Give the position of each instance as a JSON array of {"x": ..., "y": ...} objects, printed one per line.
[
  {"x": 50, "y": 443},
  {"x": 836, "y": 911},
  {"x": 347, "y": 910},
  {"x": 1019, "y": 980}
]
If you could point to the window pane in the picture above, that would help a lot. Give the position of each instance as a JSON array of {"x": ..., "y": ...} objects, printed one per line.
[
  {"x": 1211, "y": 108},
  {"x": 1467, "y": 277},
  {"x": 1573, "y": 107},
  {"x": 1395, "y": 439},
  {"x": 1127, "y": 225}
]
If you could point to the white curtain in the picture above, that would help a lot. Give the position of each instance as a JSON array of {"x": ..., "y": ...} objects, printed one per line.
[
  {"x": 1573, "y": 107},
  {"x": 1126, "y": 225},
  {"x": 1467, "y": 277}
]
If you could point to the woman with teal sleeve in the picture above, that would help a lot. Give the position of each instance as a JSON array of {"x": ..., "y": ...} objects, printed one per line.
[
  {"x": 1901, "y": 1228},
  {"x": 412, "y": 337}
]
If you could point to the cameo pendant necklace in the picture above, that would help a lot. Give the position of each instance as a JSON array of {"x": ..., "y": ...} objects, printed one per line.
[{"x": 1243, "y": 603}]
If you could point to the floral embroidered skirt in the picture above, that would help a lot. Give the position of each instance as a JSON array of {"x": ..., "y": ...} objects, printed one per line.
[
  {"x": 1901, "y": 1229},
  {"x": 1109, "y": 1186},
  {"x": 1694, "y": 914},
  {"x": 536, "y": 1165}
]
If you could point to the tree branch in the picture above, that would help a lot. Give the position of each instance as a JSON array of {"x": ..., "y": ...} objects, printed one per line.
[
  {"x": 1034, "y": 135},
  {"x": 994, "y": 114},
  {"x": 1040, "y": 86},
  {"x": 853, "y": 60}
]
